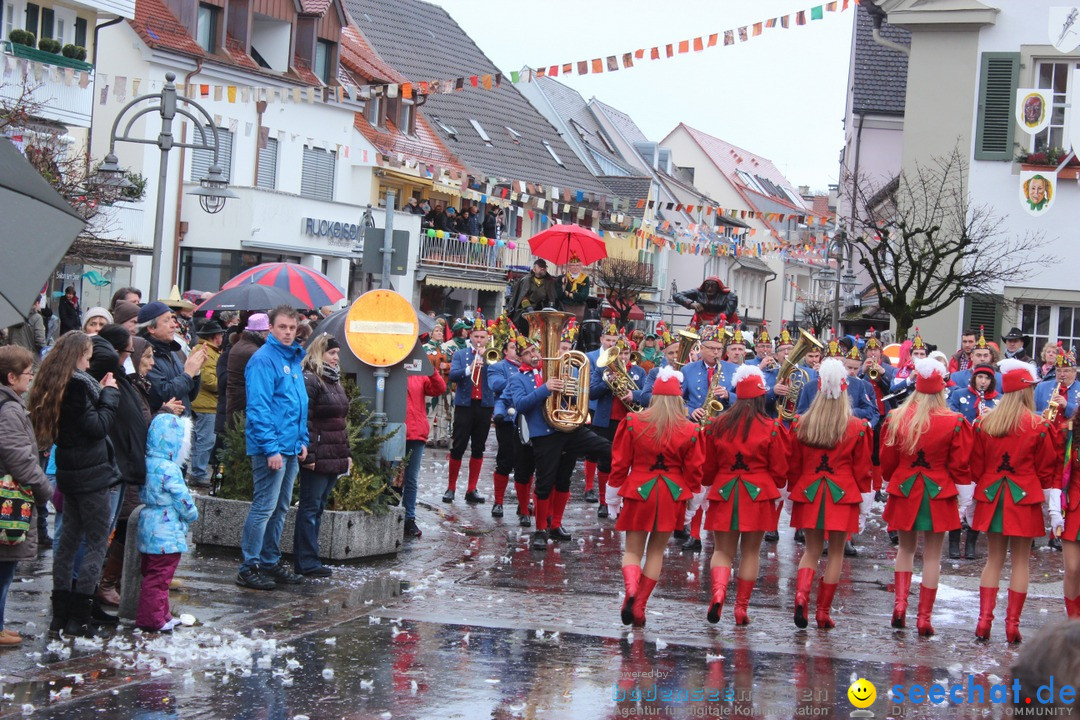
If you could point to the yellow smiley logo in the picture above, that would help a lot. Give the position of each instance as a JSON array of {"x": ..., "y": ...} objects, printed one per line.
[{"x": 862, "y": 693}]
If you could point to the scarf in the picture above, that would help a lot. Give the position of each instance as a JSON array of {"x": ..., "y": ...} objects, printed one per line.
[
  {"x": 331, "y": 374},
  {"x": 93, "y": 385},
  {"x": 576, "y": 282}
]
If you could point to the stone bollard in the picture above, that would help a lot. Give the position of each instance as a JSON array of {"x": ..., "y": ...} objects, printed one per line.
[{"x": 131, "y": 577}]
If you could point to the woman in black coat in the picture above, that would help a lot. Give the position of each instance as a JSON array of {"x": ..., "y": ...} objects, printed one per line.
[
  {"x": 73, "y": 410},
  {"x": 328, "y": 456}
]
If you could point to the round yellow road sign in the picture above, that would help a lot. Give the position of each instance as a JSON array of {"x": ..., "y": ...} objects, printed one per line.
[{"x": 381, "y": 328}]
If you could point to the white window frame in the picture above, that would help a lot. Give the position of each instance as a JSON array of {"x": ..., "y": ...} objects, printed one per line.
[
  {"x": 9, "y": 19},
  {"x": 1041, "y": 141},
  {"x": 1053, "y": 331}
]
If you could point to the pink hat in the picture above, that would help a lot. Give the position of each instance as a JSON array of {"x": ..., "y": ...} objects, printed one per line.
[
  {"x": 259, "y": 322},
  {"x": 668, "y": 382}
]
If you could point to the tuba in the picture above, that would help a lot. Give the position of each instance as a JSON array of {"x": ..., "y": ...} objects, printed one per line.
[
  {"x": 618, "y": 377},
  {"x": 687, "y": 340},
  {"x": 567, "y": 410},
  {"x": 791, "y": 375}
]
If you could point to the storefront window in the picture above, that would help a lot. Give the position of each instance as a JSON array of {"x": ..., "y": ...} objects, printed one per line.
[{"x": 208, "y": 270}]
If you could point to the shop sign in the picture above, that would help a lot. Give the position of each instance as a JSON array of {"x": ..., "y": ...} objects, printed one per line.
[{"x": 336, "y": 233}]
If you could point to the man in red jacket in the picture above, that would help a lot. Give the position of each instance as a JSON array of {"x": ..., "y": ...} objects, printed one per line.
[{"x": 416, "y": 434}]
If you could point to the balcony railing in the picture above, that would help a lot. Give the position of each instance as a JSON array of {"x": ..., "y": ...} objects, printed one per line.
[
  {"x": 474, "y": 258},
  {"x": 52, "y": 92}
]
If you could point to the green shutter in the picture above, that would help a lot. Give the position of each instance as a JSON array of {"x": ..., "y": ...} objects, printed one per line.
[
  {"x": 997, "y": 104},
  {"x": 984, "y": 310}
]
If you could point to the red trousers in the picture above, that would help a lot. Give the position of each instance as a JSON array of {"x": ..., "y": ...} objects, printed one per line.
[{"x": 157, "y": 573}]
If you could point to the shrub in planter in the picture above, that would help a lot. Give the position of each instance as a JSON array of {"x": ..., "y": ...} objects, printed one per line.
[
  {"x": 367, "y": 487},
  {"x": 80, "y": 53},
  {"x": 70, "y": 51},
  {"x": 49, "y": 45},
  {"x": 22, "y": 37}
]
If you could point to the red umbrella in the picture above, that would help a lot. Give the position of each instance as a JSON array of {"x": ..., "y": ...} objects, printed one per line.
[
  {"x": 309, "y": 286},
  {"x": 559, "y": 242}
]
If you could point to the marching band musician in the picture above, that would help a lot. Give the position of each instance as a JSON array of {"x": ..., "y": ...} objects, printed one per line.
[
  {"x": 745, "y": 465},
  {"x": 474, "y": 404},
  {"x": 981, "y": 354},
  {"x": 608, "y": 338},
  {"x": 878, "y": 374},
  {"x": 529, "y": 392},
  {"x": 439, "y": 410},
  {"x": 524, "y": 460},
  {"x": 671, "y": 354},
  {"x": 859, "y": 391},
  {"x": 1014, "y": 463},
  {"x": 735, "y": 353},
  {"x": 700, "y": 377},
  {"x": 924, "y": 456},
  {"x": 829, "y": 469},
  {"x": 498, "y": 376},
  {"x": 973, "y": 402},
  {"x": 611, "y": 410},
  {"x": 904, "y": 377},
  {"x": 763, "y": 346},
  {"x": 657, "y": 461},
  {"x": 771, "y": 369},
  {"x": 1065, "y": 375}
]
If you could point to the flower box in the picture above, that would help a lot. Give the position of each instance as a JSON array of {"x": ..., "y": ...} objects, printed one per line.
[
  {"x": 1069, "y": 172},
  {"x": 342, "y": 536},
  {"x": 46, "y": 58}
]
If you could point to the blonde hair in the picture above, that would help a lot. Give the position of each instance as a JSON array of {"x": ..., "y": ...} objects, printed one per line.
[
  {"x": 825, "y": 423},
  {"x": 912, "y": 419},
  {"x": 1010, "y": 412},
  {"x": 664, "y": 414},
  {"x": 313, "y": 360}
]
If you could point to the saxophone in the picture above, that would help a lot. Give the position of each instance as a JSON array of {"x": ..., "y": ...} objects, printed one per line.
[
  {"x": 793, "y": 376},
  {"x": 713, "y": 405},
  {"x": 1051, "y": 411}
]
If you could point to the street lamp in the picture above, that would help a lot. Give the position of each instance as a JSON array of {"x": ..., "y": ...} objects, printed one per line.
[{"x": 213, "y": 189}]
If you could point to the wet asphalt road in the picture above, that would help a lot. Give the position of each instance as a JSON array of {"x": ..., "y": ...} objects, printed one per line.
[{"x": 467, "y": 622}]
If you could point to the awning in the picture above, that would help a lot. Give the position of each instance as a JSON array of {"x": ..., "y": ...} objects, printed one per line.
[
  {"x": 636, "y": 313},
  {"x": 465, "y": 284}
]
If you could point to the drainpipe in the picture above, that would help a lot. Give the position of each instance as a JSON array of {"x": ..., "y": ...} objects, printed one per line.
[
  {"x": 765, "y": 296},
  {"x": 879, "y": 18},
  {"x": 93, "y": 61}
]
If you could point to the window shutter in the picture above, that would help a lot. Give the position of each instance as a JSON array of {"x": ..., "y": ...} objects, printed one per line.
[
  {"x": 201, "y": 160},
  {"x": 984, "y": 310},
  {"x": 268, "y": 165},
  {"x": 997, "y": 103},
  {"x": 317, "y": 175}
]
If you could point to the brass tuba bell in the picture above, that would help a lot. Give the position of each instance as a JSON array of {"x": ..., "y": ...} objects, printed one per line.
[
  {"x": 788, "y": 406},
  {"x": 568, "y": 409},
  {"x": 687, "y": 340}
]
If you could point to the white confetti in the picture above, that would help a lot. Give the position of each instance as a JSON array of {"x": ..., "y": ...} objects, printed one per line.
[
  {"x": 465, "y": 640},
  {"x": 709, "y": 657},
  {"x": 27, "y": 709},
  {"x": 367, "y": 684},
  {"x": 413, "y": 687},
  {"x": 328, "y": 674},
  {"x": 187, "y": 619},
  {"x": 331, "y": 641},
  {"x": 660, "y": 644},
  {"x": 374, "y": 620}
]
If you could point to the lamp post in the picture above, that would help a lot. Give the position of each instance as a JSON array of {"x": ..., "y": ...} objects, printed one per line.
[
  {"x": 830, "y": 279},
  {"x": 213, "y": 189}
]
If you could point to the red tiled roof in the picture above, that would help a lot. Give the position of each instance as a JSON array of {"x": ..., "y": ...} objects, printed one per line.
[
  {"x": 821, "y": 206},
  {"x": 425, "y": 147},
  {"x": 235, "y": 50},
  {"x": 358, "y": 55},
  {"x": 314, "y": 7}
]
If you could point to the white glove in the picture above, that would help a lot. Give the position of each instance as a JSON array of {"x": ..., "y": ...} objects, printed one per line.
[
  {"x": 965, "y": 495},
  {"x": 864, "y": 508},
  {"x": 1053, "y": 503},
  {"x": 613, "y": 500}
]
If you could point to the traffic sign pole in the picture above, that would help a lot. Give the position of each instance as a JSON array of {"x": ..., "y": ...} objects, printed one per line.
[{"x": 378, "y": 419}]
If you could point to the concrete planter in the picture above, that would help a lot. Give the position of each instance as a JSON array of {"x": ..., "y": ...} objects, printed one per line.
[{"x": 342, "y": 536}]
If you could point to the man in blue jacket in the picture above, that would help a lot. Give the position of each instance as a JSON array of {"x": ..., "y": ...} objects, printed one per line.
[
  {"x": 1065, "y": 374},
  {"x": 277, "y": 440},
  {"x": 498, "y": 376},
  {"x": 529, "y": 392},
  {"x": 608, "y": 338},
  {"x": 474, "y": 403}
]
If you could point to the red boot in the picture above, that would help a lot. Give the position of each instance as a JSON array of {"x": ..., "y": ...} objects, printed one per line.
[
  {"x": 645, "y": 588},
  {"x": 803, "y": 583},
  {"x": 744, "y": 588},
  {"x": 475, "y": 465},
  {"x": 455, "y": 468},
  {"x": 590, "y": 476},
  {"x": 926, "y": 608},
  {"x": 543, "y": 511},
  {"x": 825, "y": 593},
  {"x": 1072, "y": 607},
  {"x": 903, "y": 587},
  {"x": 1012, "y": 615},
  {"x": 720, "y": 577},
  {"x": 500, "y": 482},
  {"x": 987, "y": 601},
  {"x": 631, "y": 576}
]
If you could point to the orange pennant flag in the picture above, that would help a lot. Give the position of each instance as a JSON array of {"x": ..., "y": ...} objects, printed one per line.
[
  {"x": 406, "y": 89},
  {"x": 713, "y": 38},
  {"x": 699, "y": 44},
  {"x": 597, "y": 65},
  {"x": 684, "y": 46},
  {"x": 639, "y": 54},
  {"x": 553, "y": 71},
  {"x": 757, "y": 29},
  {"x": 654, "y": 54}
]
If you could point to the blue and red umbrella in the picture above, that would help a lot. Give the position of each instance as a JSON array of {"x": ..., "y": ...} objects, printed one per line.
[{"x": 309, "y": 286}]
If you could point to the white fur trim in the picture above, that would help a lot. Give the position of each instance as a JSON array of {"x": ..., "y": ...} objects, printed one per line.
[
  {"x": 667, "y": 372},
  {"x": 1011, "y": 364},
  {"x": 746, "y": 371},
  {"x": 832, "y": 375},
  {"x": 185, "y": 447},
  {"x": 939, "y": 356},
  {"x": 928, "y": 367}
]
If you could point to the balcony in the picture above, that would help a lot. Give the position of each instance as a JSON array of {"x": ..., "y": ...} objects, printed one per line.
[
  {"x": 54, "y": 87},
  {"x": 471, "y": 259},
  {"x": 123, "y": 8},
  {"x": 123, "y": 222}
]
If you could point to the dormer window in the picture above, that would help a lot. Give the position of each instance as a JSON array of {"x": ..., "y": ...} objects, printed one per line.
[
  {"x": 514, "y": 134},
  {"x": 206, "y": 28},
  {"x": 270, "y": 42},
  {"x": 324, "y": 60},
  {"x": 407, "y": 118},
  {"x": 553, "y": 154},
  {"x": 451, "y": 132}
]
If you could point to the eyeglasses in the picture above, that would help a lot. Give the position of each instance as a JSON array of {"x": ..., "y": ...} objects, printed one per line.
[{"x": 27, "y": 373}]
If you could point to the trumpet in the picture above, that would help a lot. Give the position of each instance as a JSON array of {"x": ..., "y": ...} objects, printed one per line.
[
  {"x": 477, "y": 367},
  {"x": 617, "y": 377},
  {"x": 635, "y": 358},
  {"x": 873, "y": 373}
]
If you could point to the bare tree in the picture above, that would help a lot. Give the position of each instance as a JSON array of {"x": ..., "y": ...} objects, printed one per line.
[
  {"x": 622, "y": 282},
  {"x": 817, "y": 314},
  {"x": 925, "y": 245}
]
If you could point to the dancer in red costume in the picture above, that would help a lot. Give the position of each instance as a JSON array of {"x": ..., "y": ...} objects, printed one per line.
[
  {"x": 1014, "y": 459},
  {"x": 746, "y": 465},
  {"x": 924, "y": 456},
  {"x": 656, "y": 463},
  {"x": 828, "y": 472}
]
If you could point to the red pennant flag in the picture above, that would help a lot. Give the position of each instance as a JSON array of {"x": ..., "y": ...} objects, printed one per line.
[
  {"x": 670, "y": 49},
  {"x": 553, "y": 71},
  {"x": 474, "y": 80},
  {"x": 204, "y": 90},
  {"x": 628, "y": 60},
  {"x": 785, "y": 21},
  {"x": 684, "y": 46},
  {"x": 654, "y": 54},
  {"x": 639, "y": 54},
  {"x": 712, "y": 39},
  {"x": 800, "y": 17},
  {"x": 641, "y": 203},
  {"x": 567, "y": 68},
  {"x": 583, "y": 67},
  {"x": 708, "y": 210},
  {"x": 423, "y": 88},
  {"x": 689, "y": 208},
  {"x": 699, "y": 44},
  {"x": 597, "y": 65}
]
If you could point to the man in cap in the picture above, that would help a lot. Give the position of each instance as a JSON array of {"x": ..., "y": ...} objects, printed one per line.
[
  {"x": 474, "y": 404},
  {"x": 1068, "y": 395},
  {"x": 608, "y": 337},
  {"x": 1015, "y": 345},
  {"x": 171, "y": 377},
  {"x": 535, "y": 291},
  {"x": 211, "y": 336},
  {"x": 184, "y": 314}
]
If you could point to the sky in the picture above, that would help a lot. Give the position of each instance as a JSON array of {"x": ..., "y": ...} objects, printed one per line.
[{"x": 780, "y": 95}]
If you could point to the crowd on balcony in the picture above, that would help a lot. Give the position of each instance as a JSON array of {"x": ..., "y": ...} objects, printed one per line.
[{"x": 470, "y": 220}]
